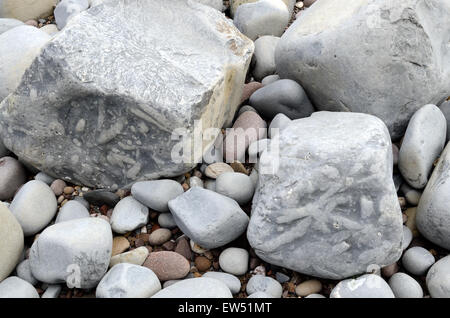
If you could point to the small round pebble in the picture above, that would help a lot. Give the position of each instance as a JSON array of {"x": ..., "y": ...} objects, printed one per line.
[
  {"x": 166, "y": 220},
  {"x": 417, "y": 260},
  {"x": 404, "y": 286},
  {"x": 159, "y": 236},
  {"x": 234, "y": 260},
  {"x": 195, "y": 182},
  {"x": 308, "y": 287},
  {"x": 407, "y": 237},
  {"x": 237, "y": 186},
  {"x": 156, "y": 194},
  {"x": 136, "y": 257},
  {"x": 268, "y": 285},
  {"x": 58, "y": 186},
  {"x": 202, "y": 263},
  {"x": 168, "y": 265},
  {"x": 233, "y": 283},
  {"x": 12, "y": 176},
  {"x": 15, "y": 287},
  {"x": 24, "y": 271},
  {"x": 438, "y": 278},
  {"x": 216, "y": 169},
  {"x": 120, "y": 245}
]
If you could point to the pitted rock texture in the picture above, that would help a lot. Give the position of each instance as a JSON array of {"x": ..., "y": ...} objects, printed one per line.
[
  {"x": 382, "y": 57},
  {"x": 331, "y": 209},
  {"x": 99, "y": 104}
]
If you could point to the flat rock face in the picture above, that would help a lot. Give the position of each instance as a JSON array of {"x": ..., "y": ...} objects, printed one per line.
[
  {"x": 331, "y": 209},
  {"x": 370, "y": 56},
  {"x": 98, "y": 106}
]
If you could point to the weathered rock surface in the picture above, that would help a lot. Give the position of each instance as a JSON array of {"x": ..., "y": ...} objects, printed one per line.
[
  {"x": 67, "y": 9},
  {"x": 15, "y": 287},
  {"x": 330, "y": 209},
  {"x": 401, "y": 50},
  {"x": 128, "y": 215},
  {"x": 106, "y": 120},
  {"x": 366, "y": 286},
  {"x": 438, "y": 282}
]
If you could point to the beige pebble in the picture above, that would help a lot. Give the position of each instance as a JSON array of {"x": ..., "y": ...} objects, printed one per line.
[
  {"x": 159, "y": 236},
  {"x": 120, "y": 245},
  {"x": 68, "y": 190},
  {"x": 411, "y": 221},
  {"x": 308, "y": 287},
  {"x": 136, "y": 256},
  {"x": 216, "y": 169}
]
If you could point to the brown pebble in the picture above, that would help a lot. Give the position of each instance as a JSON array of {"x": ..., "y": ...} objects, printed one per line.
[
  {"x": 58, "y": 186},
  {"x": 139, "y": 242},
  {"x": 169, "y": 246},
  {"x": 183, "y": 248},
  {"x": 197, "y": 275},
  {"x": 239, "y": 167},
  {"x": 185, "y": 186},
  {"x": 254, "y": 262},
  {"x": 60, "y": 199},
  {"x": 167, "y": 265},
  {"x": 120, "y": 245},
  {"x": 216, "y": 169},
  {"x": 202, "y": 263},
  {"x": 389, "y": 270},
  {"x": 68, "y": 190},
  {"x": 249, "y": 89},
  {"x": 308, "y": 287}
]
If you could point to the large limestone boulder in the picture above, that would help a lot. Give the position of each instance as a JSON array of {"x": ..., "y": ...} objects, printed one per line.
[
  {"x": 382, "y": 57},
  {"x": 99, "y": 105},
  {"x": 330, "y": 209},
  {"x": 26, "y": 9}
]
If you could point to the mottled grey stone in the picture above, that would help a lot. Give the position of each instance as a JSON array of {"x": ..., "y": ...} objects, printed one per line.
[
  {"x": 270, "y": 79},
  {"x": 403, "y": 51},
  {"x": 284, "y": 96},
  {"x": 278, "y": 123},
  {"x": 235, "y": 185},
  {"x": 366, "y": 286},
  {"x": 208, "y": 218},
  {"x": 72, "y": 210},
  {"x": 7, "y": 24},
  {"x": 128, "y": 281},
  {"x": 12, "y": 176},
  {"x": 166, "y": 220},
  {"x": 417, "y": 260},
  {"x": 411, "y": 195},
  {"x": 195, "y": 182},
  {"x": 156, "y": 194},
  {"x": 233, "y": 283},
  {"x": 404, "y": 286},
  {"x": 281, "y": 277},
  {"x": 422, "y": 144},
  {"x": 128, "y": 215},
  {"x": 407, "y": 237},
  {"x": 202, "y": 287},
  {"x": 330, "y": 209},
  {"x": 67, "y": 9},
  {"x": 116, "y": 99},
  {"x": 433, "y": 214},
  {"x": 76, "y": 252},
  {"x": 245, "y": 108},
  {"x": 268, "y": 285},
  {"x": 263, "y": 61},
  {"x": 438, "y": 282},
  {"x": 234, "y": 260},
  {"x": 42, "y": 176},
  {"x": 24, "y": 272},
  {"x": 101, "y": 196},
  {"x": 15, "y": 287}
]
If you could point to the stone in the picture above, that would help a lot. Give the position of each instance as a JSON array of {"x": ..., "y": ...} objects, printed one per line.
[
  {"x": 315, "y": 296},
  {"x": 257, "y": 147},
  {"x": 128, "y": 215},
  {"x": 18, "y": 48},
  {"x": 216, "y": 169},
  {"x": 234, "y": 260},
  {"x": 260, "y": 294},
  {"x": 268, "y": 285},
  {"x": 264, "y": 17},
  {"x": 269, "y": 79},
  {"x": 417, "y": 260},
  {"x": 247, "y": 128},
  {"x": 438, "y": 282},
  {"x": 42, "y": 176},
  {"x": 390, "y": 270},
  {"x": 76, "y": 252},
  {"x": 400, "y": 38},
  {"x": 202, "y": 287},
  {"x": 100, "y": 197},
  {"x": 232, "y": 282},
  {"x": 329, "y": 209},
  {"x": 12, "y": 176},
  {"x": 366, "y": 286},
  {"x": 128, "y": 281},
  {"x": 24, "y": 10},
  {"x": 23, "y": 271},
  {"x": 202, "y": 263},
  {"x": 160, "y": 236},
  {"x": 444, "y": 107},
  {"x": 422, "y": 144},
  {"x": 308, "y": 287},
  {"x": 120, "y": 245},
  {"x": 52, "y": 291},
  {"x": 166, "y": 220},
  {"x": 278, "y": 123},
  {"x": 404, "y": 286},
  {"x": 114, "y": 132},
  {"x": 183, "y": 248},
  {"x": 34, "y": 206},
  {"x": 249, "y": 89},
  {"x": 58, "y": 186},
  {"x": 235, "y": 185},
  {"x": 407, "y": 237},
  {"x": 264, "y": 57},
  {"x": 136, "y": 257},
  {"x": 216, "y": 4},
  {"x": 246, "y": 108},
  {"x": 195, "y": 182},
  {"x": 67, "y": 9},
  {"x": 156, "y": 194},
  {"x": 412, "y": 196},
  {"x": 308, "y": 3},
  {"x": 50, "y": 29},
  {"x": 15, "y": 287},
  {"x": 411, "y": 221},
  {"x": 234, "y": 4},
  {"x": 70, "y": 211},
  {"x": 11, "y": 242},
  {"x": 209, "y": 218},
  {"x": 284, "y": 96},
  {"x": 210, "y": 184},
  {"x": 432, "y": 214},
  {"x": 167, "y": 265},
  {"x": 7, "y": 24}
]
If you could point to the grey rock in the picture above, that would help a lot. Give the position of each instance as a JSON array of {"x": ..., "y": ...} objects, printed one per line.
[
  {"x": 268, "y": 285},
  {"x": 284, "y": 96},
  {"x": 34, "y": 206},
  {"x": 445, "y": 108},
  {"x": 42, "y": 176},
  {"x": 12, "y": 176},
  {"x": 82, "y": 201},
  {"x": 417, "y": 260},
  {"x": 411, "y": 195},
  {"x": 52, "y": 291},
  {"x": 128, "y": 281},
  {"x": 422, "y": 144},
  {"x": 407, "y": 237},
  {"x": 264, "y": 17},
  {"x": 246, "y": 108},
  {"x": 210, "y": 184},
  {"x": 67, "y": 9},
  {"x": 24, "y": 272},
  {"x": 437, "y": 280},
  {"x": 235, "y": 185},
  {"x": 170, "y": 282},
  {"x": 7, "y": 24},
  {"x": 18, "y": 47},
  {"x": 156, "y": 194},
  {"x": 282, "y": 278},
  {"x": 216, "y": 4},
  {"x": 100, "y": 197},
  {"x": 330, "y": 209},
  {"x": 338, "y": 74},
  {"x": 234, "y": 260},
  {"x": 254, "y": 176},
  {"x": 278, "y": 123},
  {"x": 195, "y": 182},
  {"x": 263, "y": 61},
  {"x": 202, "y": 287},
  {"x": 128, "y": 215},
  {"x": 72, "y": 210},
  {"x": 166, "y": 220},
  {"x": 50, "y": 29},
  {"x": 366, "y": 286},
  {"x": 208, "y": 218},
  {"x": 404, "y": 286},
  {"x": 3, "y": 150},
  {"x": 76, "y": 252},
  {"x": 232, "y": 282},
  {"x": 270, "y": 79},
  {"x": 15, "y": 287},
  {"x": 111, "y": 117},
  {"x": 433, "y": 215},
  {"x": 260, "y": 294}
]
